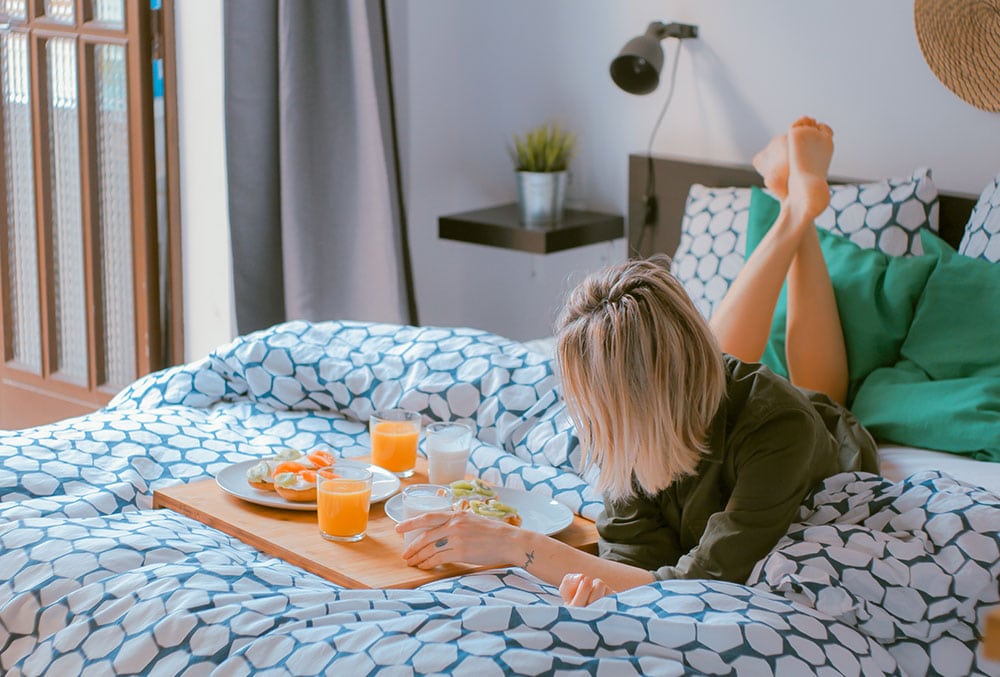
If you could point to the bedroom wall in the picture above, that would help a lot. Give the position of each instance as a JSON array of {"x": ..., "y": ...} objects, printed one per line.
[
  {"x": 472, "y": 72},
  {"x": 209, "y": 313}
]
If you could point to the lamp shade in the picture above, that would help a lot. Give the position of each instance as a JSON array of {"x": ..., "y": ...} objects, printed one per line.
[{"x": 637, "y": 67}]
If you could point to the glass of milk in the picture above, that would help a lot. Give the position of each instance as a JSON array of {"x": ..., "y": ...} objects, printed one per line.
[
  {"x": 421, "y": 498},
  {"x": 447, "y": 446}
]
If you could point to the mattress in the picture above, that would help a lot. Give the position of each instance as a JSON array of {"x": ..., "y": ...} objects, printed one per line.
[{"x": 897, "y": 462}]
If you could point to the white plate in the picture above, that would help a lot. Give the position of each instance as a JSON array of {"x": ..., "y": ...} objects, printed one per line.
[
  {"x": 544, "y": 515},
  {"x": 233, "y": 480}
]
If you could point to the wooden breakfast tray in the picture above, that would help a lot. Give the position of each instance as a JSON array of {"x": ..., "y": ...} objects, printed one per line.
[
  {"x": 991, "y": 637},
  {"x": 292, "y": 535}
]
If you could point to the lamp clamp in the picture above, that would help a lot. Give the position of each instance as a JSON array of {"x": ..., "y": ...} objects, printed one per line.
[{"x": 674, "y": 30}]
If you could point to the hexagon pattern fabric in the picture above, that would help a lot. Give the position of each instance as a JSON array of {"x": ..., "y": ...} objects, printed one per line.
[
  {"x": 982, "y": 233},
  {"x": 876, "y": 577},
  {"x": 157, "y": 593},
  {"x": 909, "y": 564},
  {"x": 713, "y": 243},
  {"x": 886, "y": 215}
]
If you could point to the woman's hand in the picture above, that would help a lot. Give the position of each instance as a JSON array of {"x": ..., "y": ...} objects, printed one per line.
[
  {"x": 447, "y": 537},
  {"x": 581, "y": 589}
]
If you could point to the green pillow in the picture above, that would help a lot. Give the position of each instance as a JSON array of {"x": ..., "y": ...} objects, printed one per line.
[
  {"x": 956, "y": 327},
  {"x": 945, "y": 392},
  {"x": 959, "y": 415},
  {"x": 876, "y": 295}
]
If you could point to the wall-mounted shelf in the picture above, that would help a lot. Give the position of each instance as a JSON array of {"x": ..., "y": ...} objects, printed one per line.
[{"x": 501, "y": 227}]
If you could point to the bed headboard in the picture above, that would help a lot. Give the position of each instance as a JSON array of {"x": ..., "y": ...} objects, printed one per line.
[{"x": 673, "y": 177}]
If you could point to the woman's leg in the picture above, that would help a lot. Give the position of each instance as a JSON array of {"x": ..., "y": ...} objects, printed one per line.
[
  {"x": 794, "y": 168},
  {"x": 742, "y": 320},
  {"x": 814, "y": 339}
]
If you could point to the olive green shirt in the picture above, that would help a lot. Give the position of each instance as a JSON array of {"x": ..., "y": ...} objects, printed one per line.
[{"x": 769, "y": 444}]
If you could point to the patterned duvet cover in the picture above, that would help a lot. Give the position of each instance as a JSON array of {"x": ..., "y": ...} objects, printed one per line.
[{"x": 876, "y": 577}]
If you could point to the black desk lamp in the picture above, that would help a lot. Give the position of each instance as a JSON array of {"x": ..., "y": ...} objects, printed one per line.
[
  {"x": 636, "y": 70},
  {"x": 637, "y": 67}
]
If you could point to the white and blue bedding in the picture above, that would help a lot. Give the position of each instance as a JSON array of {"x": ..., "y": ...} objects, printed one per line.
[{"x": 877, "y": 577}]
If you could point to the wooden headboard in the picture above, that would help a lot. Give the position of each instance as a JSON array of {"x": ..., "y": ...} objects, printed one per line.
[{"x": 673, "y": 177}]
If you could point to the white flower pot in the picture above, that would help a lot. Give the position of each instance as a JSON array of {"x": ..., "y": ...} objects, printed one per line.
[{"x": 541, "y": 197}]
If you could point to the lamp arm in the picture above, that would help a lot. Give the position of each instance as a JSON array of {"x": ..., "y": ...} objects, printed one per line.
[{"x": 651, "y": 209}]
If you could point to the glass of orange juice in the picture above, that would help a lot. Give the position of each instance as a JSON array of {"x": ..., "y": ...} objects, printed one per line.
[
  {"x": 343, "y": 496},
  {"x": 394, "y": 434}
]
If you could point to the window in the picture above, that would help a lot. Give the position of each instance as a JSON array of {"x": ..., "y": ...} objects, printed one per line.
[{"x": 88, "y": 298}]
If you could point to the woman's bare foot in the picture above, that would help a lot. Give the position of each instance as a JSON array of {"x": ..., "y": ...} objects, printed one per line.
[
  {"x": 810, "y": 147},
  {"x": 772, "y": 164}
]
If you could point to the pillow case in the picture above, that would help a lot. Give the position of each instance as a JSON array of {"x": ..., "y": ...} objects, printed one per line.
[
  {"x": 709, "y": 255},
  {"x": 885, "y": 215},
  {"x": 944, "y": 393},
  {"x": 876, "y": 296},
  {"x": 982, "y": 233},
  {"x": 956, "y": 327}
]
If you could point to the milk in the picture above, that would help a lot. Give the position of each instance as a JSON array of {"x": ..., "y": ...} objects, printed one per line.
[
  {"x": 447, "y": 447},
  {"x": 419, "y": 499}
]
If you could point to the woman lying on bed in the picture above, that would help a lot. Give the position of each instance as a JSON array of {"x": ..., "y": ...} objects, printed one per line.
[{"x": 704, "y": 455}]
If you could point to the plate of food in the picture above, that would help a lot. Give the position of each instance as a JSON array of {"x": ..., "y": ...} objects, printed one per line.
[
  {"x": 288, "y": 480},
  {"x": 514, "y": 506}
]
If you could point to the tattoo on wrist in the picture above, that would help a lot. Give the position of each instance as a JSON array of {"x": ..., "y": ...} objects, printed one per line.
[{"x": 529, "y": 557}]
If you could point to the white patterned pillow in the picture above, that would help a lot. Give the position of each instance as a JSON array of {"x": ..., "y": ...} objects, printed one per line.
[
  {"x": 982, "y": 233},
  {"x": 886, "y": 215},
  {"x": 713, "y": 241}
]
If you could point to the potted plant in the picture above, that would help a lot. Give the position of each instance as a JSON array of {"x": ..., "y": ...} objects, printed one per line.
[{"x": 541, "y": 159}]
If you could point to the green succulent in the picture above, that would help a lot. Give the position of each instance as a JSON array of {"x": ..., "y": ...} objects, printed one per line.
[{"x": 546, "y": 148}]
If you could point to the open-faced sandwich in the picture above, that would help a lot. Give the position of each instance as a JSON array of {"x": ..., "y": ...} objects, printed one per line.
[
  {"x": 295, "y": 483},
  {"x": 259, "y": 475},
  {"x": 289, "y": 473},
  {"x": 478, "y": 496},
  {"x": 494, "y": 509},
  {"x": 475, "y": 489}
]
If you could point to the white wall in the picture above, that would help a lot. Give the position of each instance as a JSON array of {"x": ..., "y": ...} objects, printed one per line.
[
  {"x": 472, "y": 72},
  {"x": 208, "y": 278}
]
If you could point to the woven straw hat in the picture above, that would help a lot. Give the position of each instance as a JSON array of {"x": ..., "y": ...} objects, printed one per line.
[{"x": 960, "y": 40}]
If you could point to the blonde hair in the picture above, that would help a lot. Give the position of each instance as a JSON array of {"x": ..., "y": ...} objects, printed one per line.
[{"x": 642, "y": 375}]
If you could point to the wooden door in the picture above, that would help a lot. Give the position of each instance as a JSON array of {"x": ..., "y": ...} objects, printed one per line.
[{"x": 80, "y": 256}]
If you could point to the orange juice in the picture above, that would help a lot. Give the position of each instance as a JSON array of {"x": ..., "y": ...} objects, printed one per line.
[
  {"x": 342, "y": 508},
  {"x": 394, "y": 446}
]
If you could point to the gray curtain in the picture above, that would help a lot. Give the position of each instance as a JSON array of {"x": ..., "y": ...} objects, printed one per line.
[{"x": 317, "y": 222}]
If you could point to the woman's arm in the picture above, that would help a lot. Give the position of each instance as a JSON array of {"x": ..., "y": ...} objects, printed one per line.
[{"x": 468, "y": 538}]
